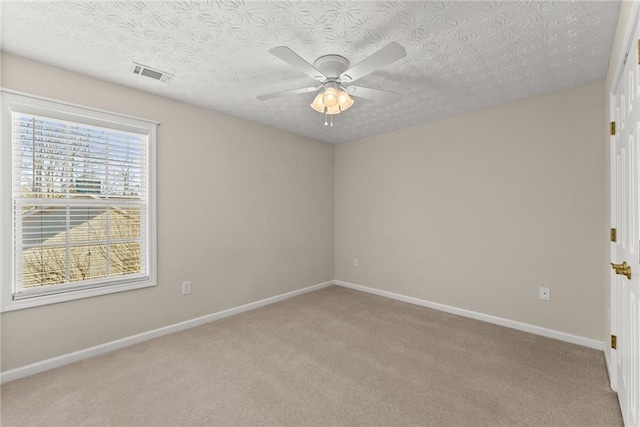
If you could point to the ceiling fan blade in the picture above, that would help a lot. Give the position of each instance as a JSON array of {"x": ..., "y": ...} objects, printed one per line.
[
  {"x": 373, "y": 94},
  {"x": 385, "y": 56},
  {"x": 288, "y": 92},
  {"x": 293, "y": 59}
]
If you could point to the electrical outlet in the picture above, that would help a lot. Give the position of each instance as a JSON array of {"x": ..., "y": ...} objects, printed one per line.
[
  {"x": 186, "y": 288},
  {"x": 545, "y": 294},
  {"x": 355, "y": 262}
]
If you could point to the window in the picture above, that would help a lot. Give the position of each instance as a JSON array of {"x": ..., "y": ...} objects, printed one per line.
[{"x": 77, "y": 202}]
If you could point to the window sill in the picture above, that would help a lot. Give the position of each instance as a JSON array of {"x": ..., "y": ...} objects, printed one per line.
[{"x": 37, "y": 301}]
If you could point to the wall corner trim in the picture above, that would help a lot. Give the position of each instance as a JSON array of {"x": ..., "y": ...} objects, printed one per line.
[
  {"x": 513, "y": 324},
  {"x": 66, "y": 359}
]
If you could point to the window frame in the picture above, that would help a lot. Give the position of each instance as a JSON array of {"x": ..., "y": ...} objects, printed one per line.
[{"x": 13, "y": 101}]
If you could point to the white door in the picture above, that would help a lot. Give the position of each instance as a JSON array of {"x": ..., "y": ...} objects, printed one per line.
[{"x": 625, "y": 252}]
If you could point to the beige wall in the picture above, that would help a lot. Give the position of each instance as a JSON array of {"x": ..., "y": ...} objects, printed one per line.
[
  {"x": 625, "y": 20},
  {"x": 244, "y": 211},
  {"x": 479, "y": 210}
]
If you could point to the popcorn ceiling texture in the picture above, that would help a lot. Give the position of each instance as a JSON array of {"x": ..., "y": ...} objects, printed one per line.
[{"x": 462, "y": 56}]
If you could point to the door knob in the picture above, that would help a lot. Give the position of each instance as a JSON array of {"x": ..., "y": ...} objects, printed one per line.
[{"x": 622, "y": 269}]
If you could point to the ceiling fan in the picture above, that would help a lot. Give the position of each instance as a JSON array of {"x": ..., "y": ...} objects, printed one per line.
[{"x": 335, "y": 75}]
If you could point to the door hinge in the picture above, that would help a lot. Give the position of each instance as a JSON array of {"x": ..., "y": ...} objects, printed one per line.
[
  {"x": 614, "y": 343},
  {"x": 614, "y": 235},
  {"x": 638, "y": 52},
  {"x": 613, "y": 128}
]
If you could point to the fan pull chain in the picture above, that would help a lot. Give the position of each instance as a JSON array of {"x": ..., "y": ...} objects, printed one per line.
[{"x": 328, "y": 122}]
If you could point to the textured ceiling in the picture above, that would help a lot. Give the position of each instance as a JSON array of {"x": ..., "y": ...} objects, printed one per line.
[{"x": 461, "y": 56}]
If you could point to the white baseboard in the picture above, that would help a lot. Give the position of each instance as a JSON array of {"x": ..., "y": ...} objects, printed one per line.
[
  {"x": 525, "y": 327},
  {"x": 65, "y": 359}
]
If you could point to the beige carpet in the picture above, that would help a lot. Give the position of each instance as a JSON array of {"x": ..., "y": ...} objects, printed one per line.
[{"x": 331, "y": 357}]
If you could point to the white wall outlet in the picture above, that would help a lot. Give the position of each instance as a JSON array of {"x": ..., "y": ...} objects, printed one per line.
[
  {"x": 355, "y": 262},
  {"x": 186, "y": 288},
  {"x": 545, "y": 294}
]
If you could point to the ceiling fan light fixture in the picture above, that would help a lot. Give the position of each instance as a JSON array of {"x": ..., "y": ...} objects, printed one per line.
[{"x": 332, "y": 100}]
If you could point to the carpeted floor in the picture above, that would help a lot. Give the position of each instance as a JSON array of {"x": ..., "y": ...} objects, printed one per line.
[{"x": 331, "y": 357}]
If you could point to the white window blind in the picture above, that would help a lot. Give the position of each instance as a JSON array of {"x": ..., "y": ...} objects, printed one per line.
[{"x": 80, "y": 205}]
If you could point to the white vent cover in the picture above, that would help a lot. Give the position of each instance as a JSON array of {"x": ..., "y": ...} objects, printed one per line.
[{"x": 153, "y": 73}]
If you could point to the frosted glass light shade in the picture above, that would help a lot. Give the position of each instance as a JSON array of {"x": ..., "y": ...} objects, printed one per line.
[
  {"x": 317, "y": 103},
  {"x": 330, "y": 98},
  {"x": 344, "y": 100},
  {"x": 334, "y": 110}
]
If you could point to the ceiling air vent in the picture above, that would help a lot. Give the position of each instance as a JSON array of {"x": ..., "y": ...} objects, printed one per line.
[{"x": 143, "y": 70}]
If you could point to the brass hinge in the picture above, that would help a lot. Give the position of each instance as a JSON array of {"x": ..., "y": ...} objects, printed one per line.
[
  {"x": 638, "y": 52},
  {"x": 614, "y": 340},
  {"x": 613, "y": 128},
  {"x": 614, "y": 235}
]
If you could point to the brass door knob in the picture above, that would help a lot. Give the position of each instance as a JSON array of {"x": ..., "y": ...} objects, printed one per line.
[{"x": 622, "y": 269}]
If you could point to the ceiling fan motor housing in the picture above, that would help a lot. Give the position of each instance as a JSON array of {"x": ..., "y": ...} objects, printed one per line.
[{"x": 331, "y": 66}]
